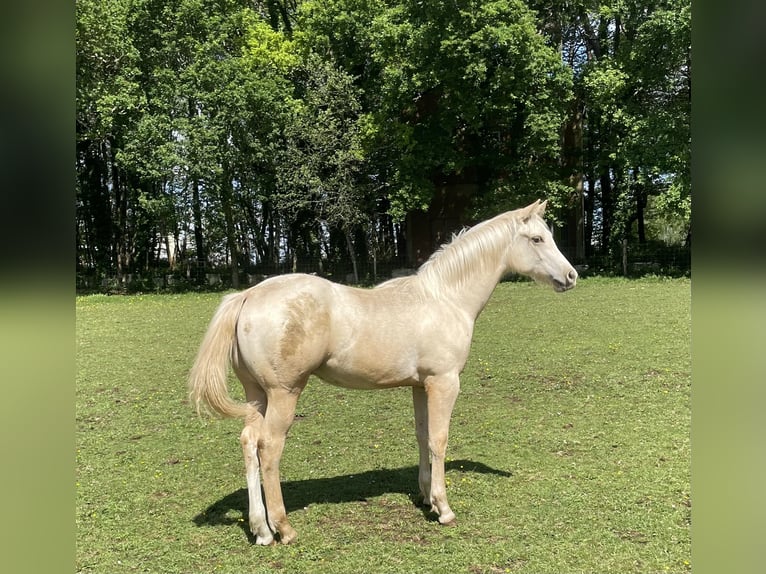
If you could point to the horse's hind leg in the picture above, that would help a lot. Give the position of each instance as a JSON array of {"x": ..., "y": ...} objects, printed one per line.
[
  {"x": 280, "y": 412},
  {"x": 249, "y": 439},
  {"x": 256, "y": 510}
]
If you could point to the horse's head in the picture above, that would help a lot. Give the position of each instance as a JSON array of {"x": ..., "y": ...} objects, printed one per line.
[{"x": 534, "y": 253}]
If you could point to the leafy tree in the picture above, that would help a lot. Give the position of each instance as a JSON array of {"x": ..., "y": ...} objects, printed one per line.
[
  {"x": 320, "y": 176},
  {"x": 109, "y": 100},
  {"x": 461, "y": 91},
  {"x": 217, "y": 96},
  {"x": 627, "y": 138},
  {"x": 242, "y": 134},
  {"x": 660, "y": 144}
]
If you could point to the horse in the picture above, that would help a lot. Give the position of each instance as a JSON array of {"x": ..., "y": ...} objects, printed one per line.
[{"x": 409, "y": 331}]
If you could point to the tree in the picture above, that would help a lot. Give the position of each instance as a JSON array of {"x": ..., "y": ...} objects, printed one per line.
[
  {"x": 109, "y": 100},
  {"x": 217, "y": 101},
  {"x": 274, "y": 134},
  {"x": 320, "y": 175},
  {"x": 628, "y": 136},
  {"x": 457, "y": 91},
  {"x": 660, "y": 146}
]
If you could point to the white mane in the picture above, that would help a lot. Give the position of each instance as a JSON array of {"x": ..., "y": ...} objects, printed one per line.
[{"x": 476, "y": 250}]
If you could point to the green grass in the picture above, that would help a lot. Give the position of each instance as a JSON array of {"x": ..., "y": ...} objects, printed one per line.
[{"x": 569, "y": 446}]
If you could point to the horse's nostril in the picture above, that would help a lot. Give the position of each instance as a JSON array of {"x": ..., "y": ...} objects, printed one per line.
[{"x": 572, "y": 276}]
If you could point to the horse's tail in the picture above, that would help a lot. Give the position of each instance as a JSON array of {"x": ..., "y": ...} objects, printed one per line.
[{"x": 208, "y": 386}]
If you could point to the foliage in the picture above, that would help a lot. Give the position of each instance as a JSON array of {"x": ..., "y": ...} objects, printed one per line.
[
  {"x": 637, "y": 85},
  {"x": 569, "y": 446},
  {"x": 322, "y": 156},
  {"x": 254, "y": 135}
]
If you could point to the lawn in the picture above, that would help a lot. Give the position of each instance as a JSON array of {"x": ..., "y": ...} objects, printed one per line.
[{"x": 569, "y": 446}]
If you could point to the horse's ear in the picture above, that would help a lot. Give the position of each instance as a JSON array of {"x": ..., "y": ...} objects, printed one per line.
[
  {"x": 528, "y": 211},
  {"x": 541, "y": 207}
]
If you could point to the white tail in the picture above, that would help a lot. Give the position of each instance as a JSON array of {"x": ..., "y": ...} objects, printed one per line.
[{"x": 208, "y": 386}]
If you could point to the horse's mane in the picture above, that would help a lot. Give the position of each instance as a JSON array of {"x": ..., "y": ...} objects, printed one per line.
[{"x": 473, "y": 250}]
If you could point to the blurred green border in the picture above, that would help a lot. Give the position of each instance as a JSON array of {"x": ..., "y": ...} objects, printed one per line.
[
  {"x": 37, "y": 372},
  {"x": 728, "y": 291}
]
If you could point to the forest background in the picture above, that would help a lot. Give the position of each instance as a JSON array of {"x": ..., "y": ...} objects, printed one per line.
[{"x": 222, "y": 140}]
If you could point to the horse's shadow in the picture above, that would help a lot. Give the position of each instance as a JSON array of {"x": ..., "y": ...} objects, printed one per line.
[{"x": 359, "y": 487}]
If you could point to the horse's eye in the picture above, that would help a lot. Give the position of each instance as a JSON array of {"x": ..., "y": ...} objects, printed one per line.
[{"x": 537, "y": 239}]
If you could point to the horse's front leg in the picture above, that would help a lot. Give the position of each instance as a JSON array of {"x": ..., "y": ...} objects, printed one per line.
[
  {"x": 419, "y": 401},
  {"x": 441, "y": 393}
]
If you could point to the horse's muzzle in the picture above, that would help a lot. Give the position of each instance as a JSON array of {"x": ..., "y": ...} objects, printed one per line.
[{"x": 570, "y": 281}]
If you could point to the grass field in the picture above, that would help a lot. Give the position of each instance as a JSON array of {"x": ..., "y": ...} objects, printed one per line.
[{"x": 569, "y": 447}]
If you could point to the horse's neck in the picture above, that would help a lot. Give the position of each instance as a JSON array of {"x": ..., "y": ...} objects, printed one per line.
[
  {"x": 473, "y": 291},
  {"x": 477, "y": 291},
  {"x": 466, "y": 271}
]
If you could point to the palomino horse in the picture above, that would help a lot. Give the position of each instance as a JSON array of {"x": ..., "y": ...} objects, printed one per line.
[{"x": 412, "y": 331}]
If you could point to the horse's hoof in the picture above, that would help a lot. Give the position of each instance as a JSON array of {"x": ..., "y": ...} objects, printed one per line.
[
  {"x": 263, "y": 536},
  {"x": 448, "y": 519},
  {"x": 287, "y": 535}
]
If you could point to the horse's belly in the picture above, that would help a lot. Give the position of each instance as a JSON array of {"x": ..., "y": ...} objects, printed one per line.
[{"x": 366, "y": 380}]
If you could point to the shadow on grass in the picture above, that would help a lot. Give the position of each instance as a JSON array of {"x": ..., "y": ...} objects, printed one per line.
[{"x": 359, "y": 487}]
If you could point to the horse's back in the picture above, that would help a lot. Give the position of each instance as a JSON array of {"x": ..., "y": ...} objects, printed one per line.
[{"x": 293, "y": 325}]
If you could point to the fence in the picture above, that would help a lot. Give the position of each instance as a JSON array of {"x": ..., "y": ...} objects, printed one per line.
[{"x": 630, "y": 261}]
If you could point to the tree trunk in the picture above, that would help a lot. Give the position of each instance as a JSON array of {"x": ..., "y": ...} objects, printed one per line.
[
  {"x": 572, "y": 154},
  {"x": 97, "y": 211},
  {"x": 119, "y": 228},
  {"x": 231, "y": 239},
  {"x": 274, "y": 236},
  {"x": 199, "y": 238},
  {"x": 589, "y": 209},
  {"x": 606, "y": 209},
  {"x": 352, "y": 254},
  {"x": 624, "y": 257},
  {"x": 640, "y": 206}
]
